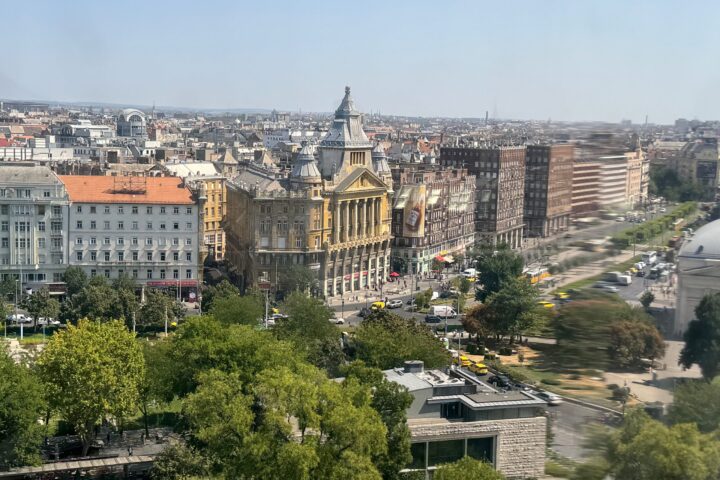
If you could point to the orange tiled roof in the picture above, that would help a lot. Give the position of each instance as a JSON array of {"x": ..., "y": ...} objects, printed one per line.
[{"x": 107, "y": 189}]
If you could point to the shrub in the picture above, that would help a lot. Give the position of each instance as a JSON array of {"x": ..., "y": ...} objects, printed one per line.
[{"x": 550, "y": 381}]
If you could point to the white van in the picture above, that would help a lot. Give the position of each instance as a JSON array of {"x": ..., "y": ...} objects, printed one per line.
[
  {"x": 469, "y": 272},
  {"x": 442, "y": 311}
]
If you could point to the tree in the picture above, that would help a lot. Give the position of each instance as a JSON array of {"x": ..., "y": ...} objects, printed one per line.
[
  {"x": 158, "y": 308},
  {"x": 90, "y": 372},
  {"x": 179, "y": 461},
  {"x": 496, "y": 267},
  {"x": 513, "y": 308},
  {"x": 391, "y": 400},
  {"x": 156, "y": 383},
  {"x": 127, "y": 302},
  {"x": 647, "y": 298},
  {"x": 632, "y": 340},
  {"x": 697, "y": 402},
  {"x": 467, "y": 468},
  {"x": 223, "y": 289},
  {"x": 97, "y": 300},
  {"x": 465, "y": 285},
  {"x": 583, "y": 334},
  {"x": 297, "y": 278},
  {"x": 75, "y": 280},
  {"x": 385, "y": 340},
  {"x": 21, "y": 407},
  {"x": 702, "y": 338},
  {"x": 477, "y": 321},
  {"x": 247, "y": 310},
  {"x": 41, "y": 304},
  {"x": 646, "y": 449}
]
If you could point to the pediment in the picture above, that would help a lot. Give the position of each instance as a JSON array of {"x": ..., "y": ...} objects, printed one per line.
[{"x": 360, "y": 179}]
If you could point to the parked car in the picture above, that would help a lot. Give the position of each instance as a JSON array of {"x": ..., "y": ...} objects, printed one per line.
[
  {"x": 379, "y": 305},
  {"x": 462, "y": 360},
  {"x": 432, "y": 319},
  {"x": 19, "y": 318},
  {"x": 551, "y": 399},
  {"x": 478, "y": 368},
  {"x": 610, "y": 288},
  {"x": 394, "y": 303},
  {"x": 500, "y": 381},
  {"x": 546, "y": 304},
  {"x": 337, "y": 321},
  {"x": 47, "y": 321}
]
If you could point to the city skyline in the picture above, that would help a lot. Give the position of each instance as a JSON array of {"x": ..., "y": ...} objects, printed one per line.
[{"x": 556, "y": 60}]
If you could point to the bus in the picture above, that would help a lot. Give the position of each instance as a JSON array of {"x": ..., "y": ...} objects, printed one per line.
[
  {"x": 537, "y": 275},
  {"x": 649, "y": 258}
]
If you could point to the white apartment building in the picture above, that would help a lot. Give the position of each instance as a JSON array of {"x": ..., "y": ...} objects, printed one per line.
[
  {"x": 143, "y": 227},
  {"x": 33, "y": 224}
]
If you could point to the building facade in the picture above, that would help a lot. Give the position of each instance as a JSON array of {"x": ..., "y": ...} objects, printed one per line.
[
  {"x": 548, "y": 189},
  {"x": 455, "y": 414},
  {"x": 433, "y": 213},
  {"x": 132, "y": 123},
  {"x": 33, "y": 225},
  {"x": 499, "y": 193},
  {"x": 142, "y": 227},
  {"x": 331, "y": 215}
]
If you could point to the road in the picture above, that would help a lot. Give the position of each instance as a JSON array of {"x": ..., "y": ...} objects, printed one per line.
[{"x": 569, "y": 422}]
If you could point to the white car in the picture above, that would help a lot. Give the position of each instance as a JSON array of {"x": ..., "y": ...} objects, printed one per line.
[
  {"x": 338, "y": 321},
  {"x": 394, "y": 304},
  {"x": 19, "y": 318},
  {"x": 549, "y": 397},
  {"x": 47, "y": 321}
]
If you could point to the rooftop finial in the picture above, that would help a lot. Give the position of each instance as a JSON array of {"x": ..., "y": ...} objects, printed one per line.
[{"x": 347, "y": 90}]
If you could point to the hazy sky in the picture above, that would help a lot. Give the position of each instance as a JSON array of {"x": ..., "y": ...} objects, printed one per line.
[{"x": 565, "y": 60}]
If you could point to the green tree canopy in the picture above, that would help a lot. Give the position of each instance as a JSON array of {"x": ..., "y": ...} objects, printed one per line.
[
  {"x": 513, "y": 308},
  {"x": 496, "y": 266},
  {"x": 702, "y": 338},
  {"x": 75, "y": 280},
  {"x": 385, "y": 340},
  {"x": 41, "y": 304},
  {"x": 697, "y": 402},
  {"x": 97, "y": 301},
  {"x": 246, "y": 310},
  {"x": 90, "y": 372},
  {"x": 583, "y": 334},
  {"x": 158, "y": 307},
  {"x": 646, "y": 449},
  {"x": 297, "y": 278},
  {"x": 223, "y": 289},
  {"x": 647, "y": 298},
  {"x": 21, "y": 406},
  {"x": 465, "y": 469}
]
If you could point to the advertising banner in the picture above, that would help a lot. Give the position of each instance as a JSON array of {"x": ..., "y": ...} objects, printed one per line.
[{"x": 414, "y": 210}]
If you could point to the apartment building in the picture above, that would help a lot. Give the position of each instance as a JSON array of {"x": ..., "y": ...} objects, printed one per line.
[
  {"x": 143, "y": 227},
  {"x": 432, "y": 216},
  {"x": 33, "y": 224},
  {"x": 548, "y": 189},
  {"x": 499, "y": 193}
]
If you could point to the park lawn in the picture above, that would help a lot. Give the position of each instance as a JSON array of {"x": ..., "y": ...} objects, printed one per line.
[{"x": 159, "y": 415}]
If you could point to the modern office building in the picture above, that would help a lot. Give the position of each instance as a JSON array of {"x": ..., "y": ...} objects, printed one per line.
[
  {"x": 432, "y": 217},
  {"x": 548, "y": 189},
  {"x": 454, "y": 414},
  {"x": 499, "y": 192},
  {"x": 332, "y": 216},
  {"x": 143, "y": 227},
  {"x": 33, "y": 225}
]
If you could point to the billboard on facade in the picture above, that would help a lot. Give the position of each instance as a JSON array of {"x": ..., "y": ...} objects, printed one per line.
[{"x": 412, "y": 202}]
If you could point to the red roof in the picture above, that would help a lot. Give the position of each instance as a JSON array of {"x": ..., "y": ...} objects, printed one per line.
[{"x": 106, "y": 189}]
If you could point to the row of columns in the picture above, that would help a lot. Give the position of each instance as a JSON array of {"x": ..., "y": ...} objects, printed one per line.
[
  {"x": 360, "y": 218},
  {"x": 512, "y": 238},
  {"x": 337, "y": 284}
]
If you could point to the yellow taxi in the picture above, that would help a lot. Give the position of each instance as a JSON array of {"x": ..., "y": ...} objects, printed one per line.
[
  {"x": 462, "y": 360},
  {"x": 562, "y": 295},
  {"x": 379, "y": 305},
  {"x": 478, "y": 368},
  {"x": 546, "y": 304}
]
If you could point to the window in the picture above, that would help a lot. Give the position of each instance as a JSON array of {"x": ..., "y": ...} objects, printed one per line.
[
  {"x": 106, "y": 224},
  {"x": 134, "y": 241},
  {"x": 106, "y": 241},
  {"x": 148, "y": 256},
  {"x": 134, "y": 209},
  {"x": 445, "y": 452},
  {"x": 41, "y": 210},
  {"x": 78, "y": 241},
  {"x": 46, "y": 194},
  {"x": 79, "y": 256},
  {"x": 79, "y": 209},
  {"x": 162, "y": 274},
  {"x": 162, "y": 256},
  {"x": 176, "y": 256},
  {"x": 148, "y": 241},
  {"x": 162, "y": 241},
  {"x": 121, "y": 209},
  {"x": 41, "y": 242},
  {"x": 176, "y": 241},
  {"x": 107, "y": 209},
  {"x": 162, "y": 210},
  {"x": 188, "y": 241},
  {"x": 93, "y": 225},
  {"x": 149, "y": 274},
  {"x": 5, "y": 242},
  {"x": 121, "y": 225},
  {"x": 41, "y": 227},
  {"x": 162, "y": 225},
  {"x": 134, "y": 273},
  {"x": 121, "y": 241},
  {"x": 121, "y": 256},
  {"x": 188, "y": 225},
  {"x": 93, "y": 209},
  {"x": 188, "y": 257},
  {"x": 176, "y": 274},
  {"x": 480, "y": 448},
  {"x": 135, "y": 256},
  {"x": 188, "y": 211},
  {"x": 78, "y": 225},
  {"x": 176, "y": 226},
  {"x": 93, "y": 272},
  {"x": 188, "y": 274},
  {"x": 4, "y": 226},
  {"x": 134, "y": 225},
  {"x": 148, "y": 225},
  {"x": 176, "y": 210},
  {"x": 107, "y": 256},
  {"x": 93, "y": 256},
  {"x": 148, "y": 210}
]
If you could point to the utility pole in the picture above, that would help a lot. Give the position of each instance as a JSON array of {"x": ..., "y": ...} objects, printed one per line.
[{"x": 166, "y": 320}]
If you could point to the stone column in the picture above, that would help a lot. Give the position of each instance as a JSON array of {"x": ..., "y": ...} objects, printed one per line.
[
  {"x": 356, "y": 217},
  {"x": 378, "y": 218},
  {"x": 371, "y": 221},
  {"x": 363, "y": 225},
  {"x": 346, "y": 207},
  {"x": 336, "y": 224}
]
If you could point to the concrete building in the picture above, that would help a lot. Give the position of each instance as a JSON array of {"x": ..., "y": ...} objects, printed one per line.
[
  {"x": 33, "y": 225},
  {"x": 455, "y": 414},
  {"x": 698, "y": 161},
  {"x": 499, "y": 193},
  {"x": 132, "y": 123},
  {"x": 698, "y": 271},
  {"x": 432, "y": 217},
  {"x": 333, "y": 218},
  {"x": 602, "y": 183},
  {"x": 548, "y": 189},
  {"x": 143, "y": 227}
]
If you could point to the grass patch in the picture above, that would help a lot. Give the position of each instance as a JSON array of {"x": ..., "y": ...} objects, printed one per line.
[{"x": 160, "y": 415}]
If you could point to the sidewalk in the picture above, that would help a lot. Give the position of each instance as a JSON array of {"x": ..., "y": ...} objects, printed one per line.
[{"x": 390, "y": 290}]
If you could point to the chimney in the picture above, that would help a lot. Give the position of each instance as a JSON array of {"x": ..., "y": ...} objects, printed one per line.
[{"x": 414, "y": 366}]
